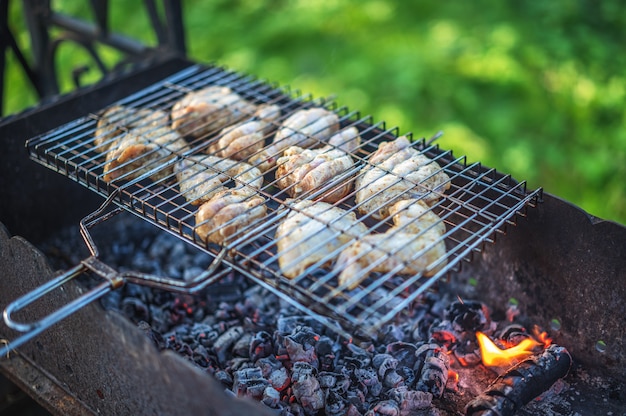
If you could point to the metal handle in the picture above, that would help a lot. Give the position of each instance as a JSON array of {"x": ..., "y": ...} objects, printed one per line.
[{"x": 31, "y": 329}]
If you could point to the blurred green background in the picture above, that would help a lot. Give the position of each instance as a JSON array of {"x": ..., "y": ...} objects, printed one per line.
[{"x": 535, "y": 89}]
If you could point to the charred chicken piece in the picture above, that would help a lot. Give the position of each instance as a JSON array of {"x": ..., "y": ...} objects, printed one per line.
[
  {"x": 301, "y": 170},
  {"x": 304, "y": 128},
  {"x": 212, "y": 108},
  {"x": 142, "y": 150},
  {"x": 227, "y": 214},
  {"x": 311, "y": 232},
  {"x": 242, "y": 140},
  {"x": 398, "y": 171},
  {"x": 119, "y": 119},
  {"x": 415, "y": 228},
  {"x": 200, "y": 177}
]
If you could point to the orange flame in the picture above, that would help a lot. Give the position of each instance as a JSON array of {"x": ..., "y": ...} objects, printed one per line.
[{"x": 493, "y": 356}]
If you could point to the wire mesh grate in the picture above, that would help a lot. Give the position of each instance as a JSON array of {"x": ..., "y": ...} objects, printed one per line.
[{"x": 468, "y": 207}]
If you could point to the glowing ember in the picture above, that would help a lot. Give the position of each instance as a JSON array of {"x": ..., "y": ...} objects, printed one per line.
[{"x": 493, "y": 356}]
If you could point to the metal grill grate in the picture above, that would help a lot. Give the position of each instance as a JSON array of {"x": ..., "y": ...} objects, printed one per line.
[{"x": 478, "y": 202}]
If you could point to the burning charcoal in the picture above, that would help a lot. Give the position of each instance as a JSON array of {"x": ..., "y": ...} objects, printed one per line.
[
  {"x": 404, "y": 352},
  {"x": 468, "y": 317},
  {"x": 391, "y": 333},
  {"x": 223, "y": 344},
  {"x": 261, "y": 346},
  {"x": 325, "y": 350},
  {"x": 522, "y": 383},
  {"x": 249, "y": 382},
  {"x": 359, "y": 357},
  {"x": 300, "y": 345},
  {"x": 384, "y": 363},
  {"x": 514, "y": 334},
  {"x": 384, "y": 408},
  {"x": 271, "y": 397},
  {"x": 368, "y": 380},
  {"x": 242, "y": 346},
  {"x": 268, "y": 364},
  {"x": 410, "y": 401},
  {"x": 407, "y": 374},
  {"x": 224, "y": 378},
  {"x": 334, "y": 404},
  {"x": 306, "y": 388},
  {"x": 432, "y": 370},
  {"x": 355, "y": 397},
  {"x": 279, "y": 379},
  {"x": 287, "y": 324}
]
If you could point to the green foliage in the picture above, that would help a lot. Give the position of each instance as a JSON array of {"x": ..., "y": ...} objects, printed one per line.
[{"x": 534, "y": 89}]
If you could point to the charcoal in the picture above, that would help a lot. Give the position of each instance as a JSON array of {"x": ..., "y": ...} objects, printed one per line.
[
  {"x": 260, "y": 346},
  {"x": 522, "y": 383},
  {"x": 242, "y": 346},
  {"x": 369, "y": 381},
  {"x": 334, "y": 404},
  {"x": 300, "y": 345},
  {"x": 433, "y": 369},
  {"x": 225, "y": 341},
  {"x": 326, "y": 349},
  {"x": 306, "y": 388},
  {"x": 404, "y": 352},
  {"x": 410, "y": 401},
  {"x": 271, "y": 397},
  {"x": 135, "y": 309},
  {"x": 384, "y": 408}
]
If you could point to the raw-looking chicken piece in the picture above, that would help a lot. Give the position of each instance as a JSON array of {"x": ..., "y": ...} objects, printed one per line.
[
  {"x": 416, "y": 228},
  {"x": 248, "y": 137},
  {"x": 209, "y": 109},
  {"x": 200, "y": 177},
  {"x": 119, "y": 119},
  {"x": 304, "y": 128},
  {"x": 141, "y": 150},
  {"x": 301, "y": 170},
  {"x": 311, "y": 232},
  {"x": 397, "y": 171},
  {"x": 227, "y": 214}
]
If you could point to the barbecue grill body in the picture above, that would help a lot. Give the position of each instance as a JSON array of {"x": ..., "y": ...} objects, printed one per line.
[{"x": 558, "y": 263}]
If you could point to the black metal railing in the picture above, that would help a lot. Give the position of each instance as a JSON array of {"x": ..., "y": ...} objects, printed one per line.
[{"x": 48, "y": 29}]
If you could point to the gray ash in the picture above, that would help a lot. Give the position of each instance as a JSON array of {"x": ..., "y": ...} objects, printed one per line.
[{"x": 258, "y": 346}]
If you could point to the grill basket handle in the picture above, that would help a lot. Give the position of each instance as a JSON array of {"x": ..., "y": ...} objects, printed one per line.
[{"x": 31, "y": 329}]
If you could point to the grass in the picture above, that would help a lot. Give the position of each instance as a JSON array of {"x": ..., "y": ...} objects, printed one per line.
[{"x": 534, "y": 89}]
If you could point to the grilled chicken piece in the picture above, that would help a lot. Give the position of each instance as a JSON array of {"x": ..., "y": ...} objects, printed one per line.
[
  {"x": 200, "y": 178},
  {"x": 209, "y": 109},
  {"x": 304, "y": 128},
  {"x": 248, "y": 137},
  {"x": 311, "y": 232},
  {"x": 397, "y": 171},
  {"x": 227, "y": 214},
  {"x": 118, "y": 119},
  {"x": 141, "y": 150},
  {"x": 301, "y": 170},
  {"x": 416, "y": 228}
]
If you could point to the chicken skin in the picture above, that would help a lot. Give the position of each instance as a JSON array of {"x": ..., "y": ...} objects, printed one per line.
[
  {"x": 312, "y": 232},
  {"x": 210, "y": 109},
  {"x": 304, "y": 128},
  {"x": 142, "y": 150},
  {"x": 227, "y": 215},
  {"x": 398, "y": 171},
  {"x": 242, "y": 140},
  {"x": 200, "y": 177},
  {"x": 301, "y": 171},
  {"x": 413, "y": 245},
  {"x": 119, "y": 119}
]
